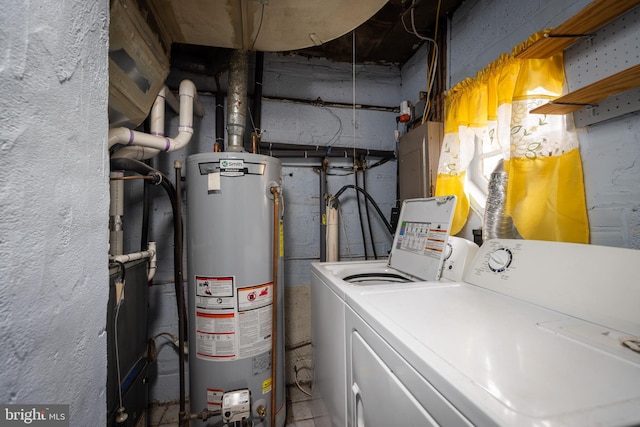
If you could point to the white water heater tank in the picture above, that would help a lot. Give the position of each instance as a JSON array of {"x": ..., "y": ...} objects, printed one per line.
[{"x": 230, "y": 229}]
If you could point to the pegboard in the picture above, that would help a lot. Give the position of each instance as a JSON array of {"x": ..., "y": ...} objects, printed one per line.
[{"x": 611, "y": 49}]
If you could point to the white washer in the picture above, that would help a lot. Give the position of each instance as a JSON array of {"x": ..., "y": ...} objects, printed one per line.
[
  {"x": 418, "y": 253},
  {"x": 531, "y": 338}
]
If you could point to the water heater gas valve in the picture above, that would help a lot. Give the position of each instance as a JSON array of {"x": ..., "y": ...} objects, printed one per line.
[{"x": 236, "y": 406}]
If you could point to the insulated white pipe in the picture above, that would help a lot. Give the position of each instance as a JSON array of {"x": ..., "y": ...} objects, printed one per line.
[
  {"x": 116, "y": 213},
  {"x": 332, "y": 234},
  {"x": 148, "y": 145}
]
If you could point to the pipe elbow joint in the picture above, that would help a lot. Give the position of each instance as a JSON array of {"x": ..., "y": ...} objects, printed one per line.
[
  {"x": 120, "y": 135},
  {"x": 182, "y": 139},
  {"x": 187, "y": 87}
]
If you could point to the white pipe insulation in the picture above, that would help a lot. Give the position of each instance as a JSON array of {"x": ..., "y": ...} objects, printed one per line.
[
  {"x": 116, "y": 213},
  {"x": 333, "y": 248},
  {"x": 141, "y": 146}
]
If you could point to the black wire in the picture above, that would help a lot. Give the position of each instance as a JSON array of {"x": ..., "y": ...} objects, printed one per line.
[
  {"x": 122, "y": 269},
  {"x": 373, "y": 203},
  {"x": 144, "y": 236}
]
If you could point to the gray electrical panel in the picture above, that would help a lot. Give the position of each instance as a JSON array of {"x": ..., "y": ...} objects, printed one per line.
[{"x": 418, "y": 155}]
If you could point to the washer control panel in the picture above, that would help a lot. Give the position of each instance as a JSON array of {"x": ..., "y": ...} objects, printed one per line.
[{"x": 594, "y": 283}]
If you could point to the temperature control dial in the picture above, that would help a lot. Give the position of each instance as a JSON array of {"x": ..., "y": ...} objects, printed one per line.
[{"x": 500, "y": 259}]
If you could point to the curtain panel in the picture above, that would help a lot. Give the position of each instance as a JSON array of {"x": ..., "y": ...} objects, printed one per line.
[{"x": 545, "y": 191}]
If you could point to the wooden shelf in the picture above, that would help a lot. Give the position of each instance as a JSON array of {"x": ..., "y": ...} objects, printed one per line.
[
  {"x": 592, "y": 94},
  {"x": 594, "y": 16}
]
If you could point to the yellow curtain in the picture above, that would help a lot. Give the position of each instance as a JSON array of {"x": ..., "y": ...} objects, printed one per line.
[{"x": 545, "y": 192}]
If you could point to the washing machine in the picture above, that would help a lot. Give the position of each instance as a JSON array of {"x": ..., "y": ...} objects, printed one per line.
[
  {"x": 422, "y": 251},
  {"x": 536, "y": 334}
]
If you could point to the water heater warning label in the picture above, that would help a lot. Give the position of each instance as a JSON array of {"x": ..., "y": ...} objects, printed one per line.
[
  {"x": 214, "y": 399},
  {"x": 255, "y": 297},
  {"x": 214, "y": 292},
  {"x": 231, "y": 323}
]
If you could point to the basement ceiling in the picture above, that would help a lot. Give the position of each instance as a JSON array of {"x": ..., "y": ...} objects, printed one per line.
[
  {"x": 383, "y": 39},
  {"x": 321, "y": 29}
]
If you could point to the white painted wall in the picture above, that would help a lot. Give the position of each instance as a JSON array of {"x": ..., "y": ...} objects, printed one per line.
[{"x": 54, "y": 205}]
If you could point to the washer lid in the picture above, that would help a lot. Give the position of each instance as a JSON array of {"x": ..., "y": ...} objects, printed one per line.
[{"x": 421, "y": 236}]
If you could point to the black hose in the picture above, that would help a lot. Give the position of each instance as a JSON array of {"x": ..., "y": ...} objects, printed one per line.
[
  {"x": 144, "y": 235},
  {"x": 366, "y": 208},
  {"x": 364, "y": 239},
  {"x": 180, "y": 294},
  {"x": 373, "y": 203}
]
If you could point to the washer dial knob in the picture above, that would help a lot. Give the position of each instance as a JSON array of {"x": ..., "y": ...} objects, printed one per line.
[{"x": 500, "y": 259}]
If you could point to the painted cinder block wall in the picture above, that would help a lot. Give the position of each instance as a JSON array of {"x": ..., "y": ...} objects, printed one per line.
[
  {"x": 54, "y": 202},
  {"x": 479, "y": 33}
]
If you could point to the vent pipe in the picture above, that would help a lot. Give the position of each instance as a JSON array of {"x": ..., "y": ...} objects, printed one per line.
[
  {"x": 498, "y": 225},
  {"x": 237, "y": 100}
]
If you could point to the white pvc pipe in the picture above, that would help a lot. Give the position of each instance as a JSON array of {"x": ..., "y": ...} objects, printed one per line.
[
  {"x": 148, "y": 145},
  {"x": 333, "y": 252},
  {"x": 153, "y": 265},
  {"x": 132, "y": 256}
]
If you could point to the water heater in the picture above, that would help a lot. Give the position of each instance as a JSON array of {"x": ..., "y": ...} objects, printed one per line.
[{"x": 230, "y": 232}]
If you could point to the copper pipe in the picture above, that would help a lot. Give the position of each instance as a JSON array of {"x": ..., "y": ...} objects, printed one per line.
[
  {"x": 275, "y": 190},
  {"x": 255, "y": 142}
]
